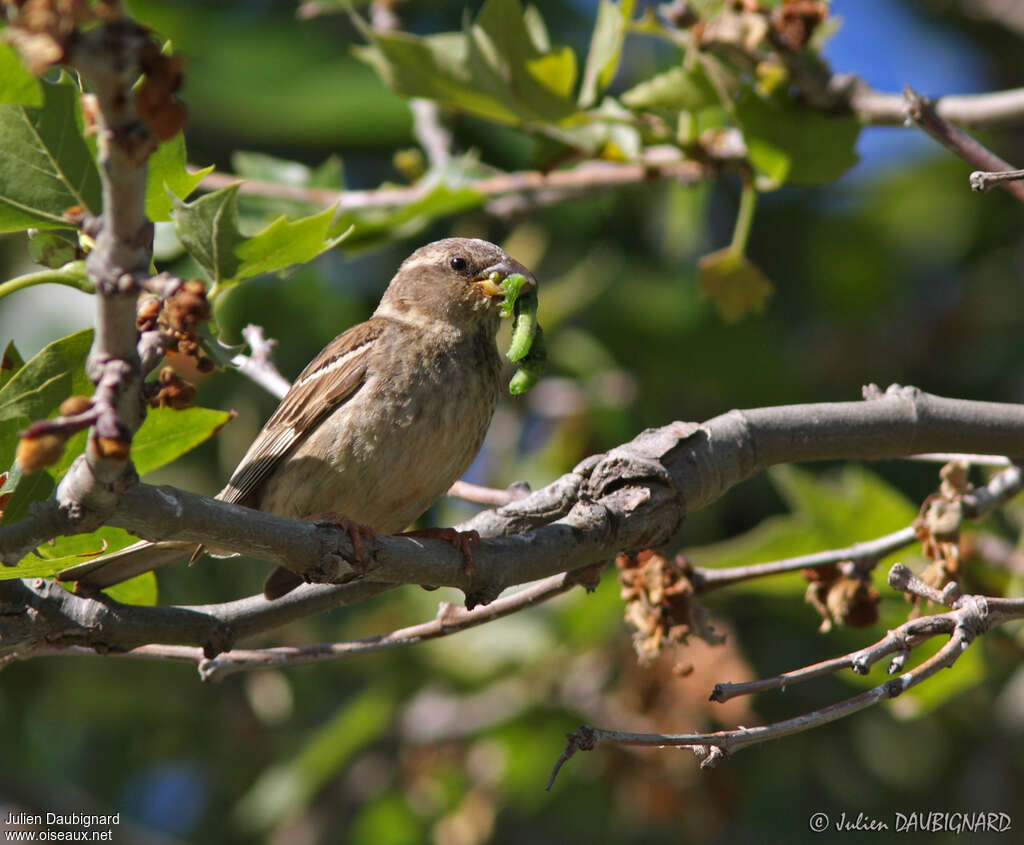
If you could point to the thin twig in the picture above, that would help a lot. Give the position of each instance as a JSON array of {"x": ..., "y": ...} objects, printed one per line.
[
  {"x": 921, "y": 111},
  {"x": 946, "y": 457},
  {"x": 259, "y": 365},
  {"x": 982, "y": 181},
  {"x": 586, "y": 177},
  {"x": 490, "y": 496},
  {"x": 970, "y": 616},
  {"x": 449, "y": 620},
  {"x": 865, "y": 555}
]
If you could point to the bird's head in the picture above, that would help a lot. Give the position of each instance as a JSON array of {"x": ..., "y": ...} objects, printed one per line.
[{"x": 453, "y": 281}]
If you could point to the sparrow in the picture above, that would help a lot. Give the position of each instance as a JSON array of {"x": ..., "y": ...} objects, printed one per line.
[{"x": 380, "y": 423}]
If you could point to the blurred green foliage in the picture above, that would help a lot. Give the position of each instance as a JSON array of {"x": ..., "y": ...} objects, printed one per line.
[{"x": 895, "y": 273}]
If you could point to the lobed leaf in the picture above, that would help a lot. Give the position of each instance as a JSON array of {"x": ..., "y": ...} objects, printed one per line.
[
  {"x": 794, "y": 145},
  {"x": 47, "y": 166},
  {"x": 167, "y": 176},
  {"x": 208, "y": 228},
  {"x": 17, "y": 84},
  {"x": 734, "y": 283},
  {"x": 605, "y": 49},
  {"x": 500, "y": 67}
]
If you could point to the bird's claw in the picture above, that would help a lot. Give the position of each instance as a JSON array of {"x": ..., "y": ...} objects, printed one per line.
[
  {"x": 356, "y": 531},
  {"x": 463, "y": 542}
]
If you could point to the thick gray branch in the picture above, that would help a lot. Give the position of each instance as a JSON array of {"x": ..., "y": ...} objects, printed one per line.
[{"x": 631, "y": 498}]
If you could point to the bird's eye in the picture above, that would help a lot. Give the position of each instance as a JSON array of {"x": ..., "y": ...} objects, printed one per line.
[{"x": 459, "y": 264}]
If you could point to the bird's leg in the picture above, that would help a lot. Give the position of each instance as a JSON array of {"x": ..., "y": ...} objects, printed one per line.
[
  {"x": 462, "y": 540},
  {"x": 356, "y": 531}
]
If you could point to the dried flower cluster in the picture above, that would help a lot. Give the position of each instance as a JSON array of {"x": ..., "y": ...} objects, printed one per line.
[
  {"x": 842, "y": 596},
  {"x": 660, "y": 603}
]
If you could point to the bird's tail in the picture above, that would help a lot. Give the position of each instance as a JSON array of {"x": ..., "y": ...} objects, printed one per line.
[{"x": 144, "y": 556}]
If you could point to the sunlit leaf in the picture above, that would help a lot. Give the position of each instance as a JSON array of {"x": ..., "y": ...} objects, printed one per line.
[
  {"x": 403, "y": 221},
  {"x": 46, "y": 166},
  {"x": 825, "y": 513},
  {"x": 10, "y": 362},
  {"x": 679, "y": 88},
  {"x": 141, "y": 589},
  {"x": 734, "y": 283},
  {"x": 208, "y": 227},
  {"x": 605, "y": 49},
  {"x": 31, "y": 488},
  {"x": 168, "y": 433},
  {"x": 36, "y": 389},
  {"x": 17, "y": 84},
  {"x": 61, "y": 552},
  {"x": 167, "y": 174},
  {"x": 495, "y": 68}
]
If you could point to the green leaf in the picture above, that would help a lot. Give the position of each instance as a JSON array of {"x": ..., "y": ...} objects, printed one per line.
[
  {"x": 504, "y": 56},
  {"x": 31, "y": 488},
  {"x": 17, "y": 85},
  {"x": 734, "y": 283},
  {"x": 677, "y": 88},
  {"x": 46, "y": 166},
  {"x": 138, "y": 590},
  {"x": 605, "y": 49},
  {"x": 10, "y": 362},
  {"x": 48, "y": 378},
  {"x": 826, "y": 512},
  {"x": 35, "y": 390},
  {"x": 167, "y": 175},
  {"x": 500, "y": 67},
  {"x": 795, "y": 145},
  {"x": 208, "y": 227},
  {"x": 286, "y": 242},
  {"x": 168, "y": 433},
  {"x": 53, "y": 248},
  {"x": 50, "y": 558}
]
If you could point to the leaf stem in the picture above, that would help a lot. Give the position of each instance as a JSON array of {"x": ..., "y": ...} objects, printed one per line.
[
  {"x": 71, "y": 274},
  {"x": 744, "y": 219}
]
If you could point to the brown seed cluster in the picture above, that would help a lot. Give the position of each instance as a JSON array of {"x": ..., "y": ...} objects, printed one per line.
[
  {"x": 4, "y": 497},
  {"x": 179, "y": 317},
  {"x": 40, "y": 29},
  {"x": 841, "y": 598},
  {"x": 39, "y": 451},
  {"x": 660, "y": 603},
  {"x": 155, "y": 100},
  {"x": 174, "y": 391},
  {"x": 796, "y": 20},
  {"x": 938, "y": 528}
]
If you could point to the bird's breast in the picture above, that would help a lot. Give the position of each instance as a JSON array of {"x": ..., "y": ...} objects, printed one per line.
[{"x": 385, "y": 455}]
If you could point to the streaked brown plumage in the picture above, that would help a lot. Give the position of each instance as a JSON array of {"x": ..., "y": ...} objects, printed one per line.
[{"x": 383, "y": 420}]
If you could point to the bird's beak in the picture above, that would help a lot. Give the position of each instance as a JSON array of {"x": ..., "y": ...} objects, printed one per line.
[{"x": 491, "y": 287}]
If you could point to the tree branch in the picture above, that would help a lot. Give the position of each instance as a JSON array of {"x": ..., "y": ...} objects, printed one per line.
[
  {"x": 449, "y": 620},
  {"x": 920, "y": 110},
  {"x": 107, "y": 58},
  {"x": 657, "y": 164},
  {"x": 864, "y": 555},
  {"x": 969, "y": 617},
  {"x": 631, "y": 498}
]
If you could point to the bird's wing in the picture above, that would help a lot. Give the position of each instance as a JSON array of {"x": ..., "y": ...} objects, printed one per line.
[{"x": 333, "y": 377}]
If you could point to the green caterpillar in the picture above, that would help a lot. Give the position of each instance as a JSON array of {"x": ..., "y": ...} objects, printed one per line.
[{"x": 527, "y": 346}]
